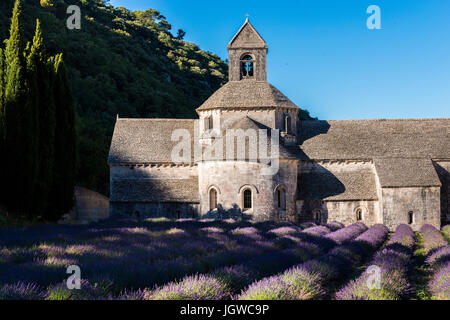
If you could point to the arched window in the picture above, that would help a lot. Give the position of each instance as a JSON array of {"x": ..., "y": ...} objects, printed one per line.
[
  {"x": 247, "y": 199},
  {"x": 317, "y": 216},
  {"x": 247, "y": 66},
  {"x": 411, "y": 217},
  {"x": 281, "y": 198},
  {"x": 213, "y": 199},
  {"x": 359, "y": 214},
  {"x": 288, "y": 124}
]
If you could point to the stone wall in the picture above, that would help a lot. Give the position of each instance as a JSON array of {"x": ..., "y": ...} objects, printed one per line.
[
  {"x": 155, "y": 210},
  {"x": 260, "y": 67},
  {"x": 340, "y": 211},
  {"x": 230, "y": 179},
  {"x": 424, "y": 202},
  {"x": 90, "y": 205}
]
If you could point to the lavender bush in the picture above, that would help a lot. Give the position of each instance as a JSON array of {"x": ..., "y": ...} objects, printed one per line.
[
  {"x": 393, "y": 263},
  {"x": 347, "y": 234},
  {"x": 22, "y": 291},
  {"x": 198, "y": 287},
  {"x": 439, "y": 285},
  {"x": 432, "y": 238},
  {"x": 308, "y": 280}
]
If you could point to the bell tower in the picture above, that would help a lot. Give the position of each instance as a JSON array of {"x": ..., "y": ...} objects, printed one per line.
[{"x": 247, "y": 55}]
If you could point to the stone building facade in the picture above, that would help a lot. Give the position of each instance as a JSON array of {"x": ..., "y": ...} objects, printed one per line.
[{"x": 374, "y": 171}]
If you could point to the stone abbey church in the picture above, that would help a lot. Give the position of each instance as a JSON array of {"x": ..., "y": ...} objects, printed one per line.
[{"x": 374, "y": 171}]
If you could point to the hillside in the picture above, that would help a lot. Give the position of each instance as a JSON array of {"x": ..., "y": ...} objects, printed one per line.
[
  {"x": 120, "y": 63},
  {"x": 123, "y": 63}
]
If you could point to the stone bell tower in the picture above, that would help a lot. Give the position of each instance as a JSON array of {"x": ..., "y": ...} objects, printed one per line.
[{"x": 247, "y": 55}]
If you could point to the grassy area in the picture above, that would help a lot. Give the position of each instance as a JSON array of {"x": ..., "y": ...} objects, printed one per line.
[{"x": 421, "y": 272}]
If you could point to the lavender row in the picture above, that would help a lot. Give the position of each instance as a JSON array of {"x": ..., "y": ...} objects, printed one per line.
[
  {"x": 432, "y": 238},
  {"x": 438, "y": 261},
  {"x": 226, "y": 281},
  {"x": 308, "y": 280},
  {"x": 123, "y": 271},
  {"x": 386, "y": 278}
]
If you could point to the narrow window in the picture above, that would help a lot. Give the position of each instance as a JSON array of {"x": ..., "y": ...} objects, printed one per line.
[
  {"x": 247, "y": 199},
  {"x": 410, "y": 217},
  {"x": 247, "y": 66},
  {"x": 317, "y": 216},
  {"x": 359, "y": 214},
  {"x": 209, "y": 123},
  {"x": 213, "y": 199},
  {"x": 281, "y": 198},
  {"x": 288, "y": 125}
]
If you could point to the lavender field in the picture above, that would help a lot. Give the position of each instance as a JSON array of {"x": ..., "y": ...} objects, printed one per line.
[{"x": 160, "y": 259}]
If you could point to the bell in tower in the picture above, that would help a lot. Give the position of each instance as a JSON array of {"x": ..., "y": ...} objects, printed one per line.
[{"x": 247, "y": 55}]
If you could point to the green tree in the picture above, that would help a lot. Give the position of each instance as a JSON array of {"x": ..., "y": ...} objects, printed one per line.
[
  {"x": 18, "y": 183},
  {"x": 65, "y": 142}
]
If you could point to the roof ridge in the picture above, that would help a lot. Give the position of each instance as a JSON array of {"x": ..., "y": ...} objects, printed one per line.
[
  {"x": 381, "y": 120},
  {"x": 154, "y": 119}
]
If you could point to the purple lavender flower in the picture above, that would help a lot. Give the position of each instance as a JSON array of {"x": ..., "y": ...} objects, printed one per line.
[
  {"x": 22, "y": 291},
  {"x": 316, "y": 231},
  {"x": 347, "y": 234},
  {"x": 273, "y": 288},
  {"x": 432, "y": 238},
  {"x": 392, "y": 264},
  {"x": 282, "y": 231},
  {"x": 334, "y": 226},
  {"x": 198, "y": 287},
  {"x": 438, "y": 257},
  {"x": 439, "y": 285}
]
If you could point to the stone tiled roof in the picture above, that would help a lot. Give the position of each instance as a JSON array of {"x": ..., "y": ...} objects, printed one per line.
[
  {"x": 146, "y": 140},
  {"x": 336, "y": 186},
  {"x": 155, "y": 190},
  {"x": 406, "y": 172},
  {"x": 370, "y": 139},
  {"x": 247, "y": 37},
  {"x": 247, "y": 94}
]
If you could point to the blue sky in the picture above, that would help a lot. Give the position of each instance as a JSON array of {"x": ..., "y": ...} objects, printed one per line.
[{"x": 325, "y": 59}]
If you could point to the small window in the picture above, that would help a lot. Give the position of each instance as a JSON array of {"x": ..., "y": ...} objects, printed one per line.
[
  {"x": 411, "y": 217},
  {"x": 209, "y": 123},
  {"x": 247, "y": 66},
  {"x": 213, "y": 199},
  {"x": 288, "y": 124},
  {"x": 317, "y": 215},
  {"x": 281, "y": 198},
  {"x": 247, "y": 199},
  {"x": 359, "y": 214}
]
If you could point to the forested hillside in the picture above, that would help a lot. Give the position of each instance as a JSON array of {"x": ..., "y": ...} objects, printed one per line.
[{"x": 122, "y": 63}]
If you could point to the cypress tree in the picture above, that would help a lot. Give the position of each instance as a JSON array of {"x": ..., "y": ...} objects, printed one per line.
[
  {"x": 46, "y": 143},
  {"x": 2, "y": 125},
  {"x": 34, "y": 53},
  {"x": 65, "y": 141},
  {"x": 18, "y": 124}
]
